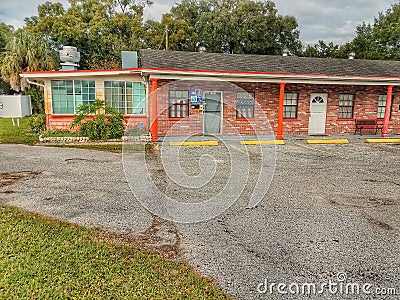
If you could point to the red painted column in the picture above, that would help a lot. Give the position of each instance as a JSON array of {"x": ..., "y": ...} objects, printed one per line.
[
  {"x": 386, "y": 118},
  {"x": 279, "y": 135},
  {"x": 154, "y": 110}
]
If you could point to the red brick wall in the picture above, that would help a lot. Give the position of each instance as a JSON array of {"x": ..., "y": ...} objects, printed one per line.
[{"x": 267, "y": 94}]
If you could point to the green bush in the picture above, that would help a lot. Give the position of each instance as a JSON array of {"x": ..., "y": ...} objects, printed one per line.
[
  {"x": 100, "y": 126},
  {"x": 37, "y": 123}
]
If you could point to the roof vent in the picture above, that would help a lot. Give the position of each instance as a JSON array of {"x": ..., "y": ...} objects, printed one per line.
[
  {"x": 202, "y": 49},
  {"x": 285, "y": 52},
  {"x": 129, "y": 59},
  {"x": 69, "y": 57},
  {"x": 352, "y": 55}
]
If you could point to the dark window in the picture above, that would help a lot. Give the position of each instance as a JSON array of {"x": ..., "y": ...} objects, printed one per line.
[
  {"x": 244, "y": 105},
  {"x": 382, "y": 106},
  {"x": 290, "y": 106},
  {"x": 178, "y": 104},
  {"x": 346, "y": 105}
]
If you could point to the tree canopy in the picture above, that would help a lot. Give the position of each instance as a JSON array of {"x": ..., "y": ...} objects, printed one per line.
[
  {"x": 239, "y": 26},
  {"x": 381, "y": 40}
]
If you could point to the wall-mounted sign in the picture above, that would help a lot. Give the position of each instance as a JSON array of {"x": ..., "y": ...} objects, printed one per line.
[{"x": 196, "y": 96}]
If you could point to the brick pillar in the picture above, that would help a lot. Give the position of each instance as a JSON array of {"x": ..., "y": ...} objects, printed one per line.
[
  {"x": 279, "y": 135},
  {"x": 154, "y": 110},
  {"x": 386, "y": 118}
]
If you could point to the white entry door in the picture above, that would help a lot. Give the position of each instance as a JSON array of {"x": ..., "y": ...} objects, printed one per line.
[{"x": 317, "y": 120}]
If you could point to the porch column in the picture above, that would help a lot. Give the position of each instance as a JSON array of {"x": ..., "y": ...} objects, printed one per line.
[
  {"x": 387, "y": 112},
  {"x": 279, "y": 135},
  {"x": 154, "y": 110}
]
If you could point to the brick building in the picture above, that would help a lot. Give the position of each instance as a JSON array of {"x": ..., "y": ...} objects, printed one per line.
[{"x": 190, "y": 93}]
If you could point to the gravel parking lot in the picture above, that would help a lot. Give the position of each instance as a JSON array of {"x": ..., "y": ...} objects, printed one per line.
[{"x": 330, "y": 211}]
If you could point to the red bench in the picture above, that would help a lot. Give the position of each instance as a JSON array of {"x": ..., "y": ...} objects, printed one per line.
[{"x": 368, "y": 124}]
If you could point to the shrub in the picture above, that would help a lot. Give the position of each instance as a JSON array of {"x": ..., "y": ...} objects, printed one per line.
[
  {"x": 100, "y": 127},
  {"x": 37, "y": 123}
]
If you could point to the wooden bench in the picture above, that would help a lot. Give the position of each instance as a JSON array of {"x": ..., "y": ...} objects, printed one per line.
[{"x": 368, "y": 124}]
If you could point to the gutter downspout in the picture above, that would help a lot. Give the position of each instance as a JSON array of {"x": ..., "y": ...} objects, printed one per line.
[{"x": 34, "y": 83}]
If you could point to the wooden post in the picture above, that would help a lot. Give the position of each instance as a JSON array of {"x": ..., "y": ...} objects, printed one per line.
[
  {"x": 154, "y": 110},
  {"x": 279, "y": 135},
  {"x": 386, "y": 118}
]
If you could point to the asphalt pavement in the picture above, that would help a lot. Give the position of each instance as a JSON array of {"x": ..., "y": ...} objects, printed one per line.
[{"x": 328, "y": 217}]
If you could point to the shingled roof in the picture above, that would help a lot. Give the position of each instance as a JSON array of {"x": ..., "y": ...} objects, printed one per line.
[{"x": 268, "y": 64}]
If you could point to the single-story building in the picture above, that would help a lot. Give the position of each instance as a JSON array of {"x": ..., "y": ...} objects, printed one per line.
[{"x": 193, "y": 93}]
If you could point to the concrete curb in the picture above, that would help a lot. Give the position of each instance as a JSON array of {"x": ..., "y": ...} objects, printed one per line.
[
  {"x": 331, "y": 141},
  {"x": 199, "y": 143},
  {"x": 263, "y": 142},
  {"x": 395, "y": 141}
]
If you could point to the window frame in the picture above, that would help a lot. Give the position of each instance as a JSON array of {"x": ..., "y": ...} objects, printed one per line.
[
  {"x": 346, "y": 95},
  {"x": 180, "y": 106},
  {"x": 285, "y": 106},
  {"x": 245, "y": 107},
  {"x": 127, "y": 99},
  {"x": 384, "y": 107},
  {"x": 90, "y": 88}
]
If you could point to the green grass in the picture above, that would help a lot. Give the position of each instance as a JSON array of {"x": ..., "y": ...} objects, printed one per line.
[
  {"x": 10, "y": 134},
  {"x": 41, "y": 258}
]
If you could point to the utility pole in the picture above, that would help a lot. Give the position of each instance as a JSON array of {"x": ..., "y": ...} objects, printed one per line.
[{"x": 166, "y": 37}]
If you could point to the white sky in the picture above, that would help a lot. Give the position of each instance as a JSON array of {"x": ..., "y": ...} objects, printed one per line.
[{"x": 329, "y": 20}]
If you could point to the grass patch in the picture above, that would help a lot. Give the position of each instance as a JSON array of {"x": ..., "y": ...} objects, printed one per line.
[
  {"x": 10, "y": 134},
  {"x": 41, "y": 258}
]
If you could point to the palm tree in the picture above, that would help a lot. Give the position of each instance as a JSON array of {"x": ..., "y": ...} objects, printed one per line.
[{"x": 28, "y": 52}]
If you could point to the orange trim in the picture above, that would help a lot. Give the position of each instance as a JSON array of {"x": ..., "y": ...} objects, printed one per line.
[
  {"x": 279, "y": 135},
  {"x": 227, "y": 72},
  {"x": 386, "y": 118},
  {"x": 83, "y": 71},
  {"x": 154, "y": 110}
]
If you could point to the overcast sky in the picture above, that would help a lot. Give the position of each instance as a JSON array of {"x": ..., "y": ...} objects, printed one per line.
[{"x": 329, "y": 20}]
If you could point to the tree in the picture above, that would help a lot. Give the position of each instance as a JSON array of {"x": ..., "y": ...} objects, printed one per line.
[
  {"x": 181, "y": 36},
  {"x": 380, "y": 40},
  {"x": 99, "y": 29},
  {"x": 5, "y": 32},
  {"x": 239, "y": 26},
  {"x": 323, "y": 50},
  {"x": 26, "y": 52}
]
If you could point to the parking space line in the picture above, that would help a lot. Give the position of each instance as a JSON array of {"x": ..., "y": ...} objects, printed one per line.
[
  {"x": 324, "y": 151},
  {"x": 252, "y": 156}
]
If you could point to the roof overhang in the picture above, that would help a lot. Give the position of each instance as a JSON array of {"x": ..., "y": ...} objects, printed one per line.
[
  {"x": 207, "y": 75},
  {"x": 78, "y": 73},
  {"x": 212, "y": 75}
]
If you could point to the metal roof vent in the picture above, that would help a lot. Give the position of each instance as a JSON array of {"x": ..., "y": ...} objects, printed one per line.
[
  {"x": 352, "y": 55},
  {"x": 69, "y": 57}
]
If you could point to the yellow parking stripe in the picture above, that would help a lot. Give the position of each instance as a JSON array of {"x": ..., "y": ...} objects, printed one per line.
[
  {"x": 382, "y": 140},
  {"x": 198, "y": 143},
  {"x": 263, "y": 142},
  {"x": 332, "y": 141}
]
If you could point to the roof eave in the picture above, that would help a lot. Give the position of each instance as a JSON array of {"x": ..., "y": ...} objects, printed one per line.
[{"x": 269, "y": 77}]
